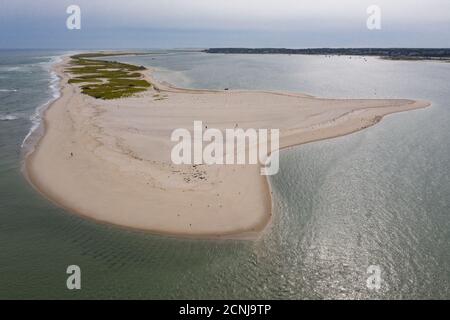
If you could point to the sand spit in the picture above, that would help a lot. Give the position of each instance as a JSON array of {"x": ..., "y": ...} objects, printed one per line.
[{"x": 110, "y": 160}]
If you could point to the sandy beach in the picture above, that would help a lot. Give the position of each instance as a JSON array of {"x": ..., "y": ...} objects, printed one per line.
[{"x": 109, "y": 160}]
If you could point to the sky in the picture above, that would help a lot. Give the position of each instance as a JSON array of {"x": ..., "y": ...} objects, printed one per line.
[{"x": 118, "y": 24}]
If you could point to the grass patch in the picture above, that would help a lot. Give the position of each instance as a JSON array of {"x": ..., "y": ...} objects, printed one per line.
[{"x": 106, "y": 79}]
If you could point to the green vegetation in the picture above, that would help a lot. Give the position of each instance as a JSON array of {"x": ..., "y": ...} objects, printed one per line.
[{"x": 106, "y": 79}]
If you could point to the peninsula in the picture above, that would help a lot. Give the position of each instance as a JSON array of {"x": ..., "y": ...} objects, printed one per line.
[{"x": 105, "y": 153}]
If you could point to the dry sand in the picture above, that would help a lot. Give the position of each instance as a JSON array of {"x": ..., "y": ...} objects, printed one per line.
[{"x": 110, "y": 160}]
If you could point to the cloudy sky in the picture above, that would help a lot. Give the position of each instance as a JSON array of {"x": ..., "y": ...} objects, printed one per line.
[{"x": 218, "y": 23}]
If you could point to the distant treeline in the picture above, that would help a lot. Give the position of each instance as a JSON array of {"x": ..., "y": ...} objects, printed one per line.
[{"x": 392, "y": 53}]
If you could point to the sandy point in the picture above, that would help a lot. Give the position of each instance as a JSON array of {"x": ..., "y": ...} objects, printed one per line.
[{"x": 109, "y": 160}]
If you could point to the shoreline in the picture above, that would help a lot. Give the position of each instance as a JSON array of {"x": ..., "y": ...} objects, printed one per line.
[
  {"x": 37, "y": 117},
  {"x": 395, "y": 54},
  {"x": 352, "y": 120}
]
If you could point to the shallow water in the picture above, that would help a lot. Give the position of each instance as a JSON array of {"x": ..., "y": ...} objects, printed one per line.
[{"x": 377, "y": 197}]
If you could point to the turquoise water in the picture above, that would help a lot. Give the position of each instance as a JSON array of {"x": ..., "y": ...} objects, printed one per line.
[{"x": 377, "y": 197}]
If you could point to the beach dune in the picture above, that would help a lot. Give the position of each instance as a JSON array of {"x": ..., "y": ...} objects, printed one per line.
[{"x": 109, "y": 160}]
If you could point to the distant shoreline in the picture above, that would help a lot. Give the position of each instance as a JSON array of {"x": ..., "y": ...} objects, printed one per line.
[{"x": 412, "y": 54}]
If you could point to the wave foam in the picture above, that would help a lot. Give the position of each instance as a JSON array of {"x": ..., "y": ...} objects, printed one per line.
[
  {"x": 8, "y": 117},
  {"x": 8, "y": 90},
  {"x": 36, "y": 117}
]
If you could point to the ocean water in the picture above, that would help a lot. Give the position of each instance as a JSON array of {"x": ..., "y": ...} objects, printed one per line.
[{"x": 380, "y": 197}]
